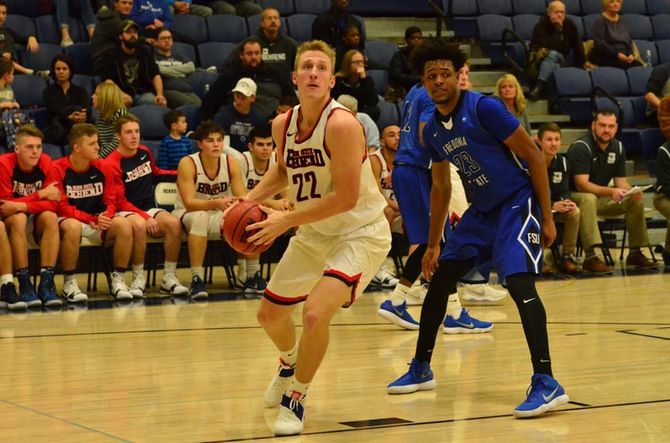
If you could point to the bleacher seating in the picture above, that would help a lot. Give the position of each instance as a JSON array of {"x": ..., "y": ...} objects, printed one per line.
[
  {"x": 190, "y": 25},
  {"x": 661, "y": 25},
  {"x": 639, "y": 26},
  {"x": 591, "y": 7},
  {"x": 28, "y": 90},
  {"x": 48, "y": 31},
  {"x": 200, "y": 80},
  {"x": 389, "y": 114},
  {"x": 573, "y": 89},
  {"x": 40, "y": 60},
  {"x": 500, "y": 7},
  {"x": 634, "y": 7},
  {"x": 185, "y": 50},
  {"x": 80, "y": 53},
  {"x": 285, "y": 7},
  {"x": 463, "y": 17},
  {"x": 214, "y": 53},
  {"x": 87, "y": 82},
  {"x": 663, "y": 47},
  {"x": 658, "y": 6},
  {"x": 300, "y": 26},
  {"x": 379, "y": 53},
  {"x": 22, "y": 25},
  {"x": 192, "y": 113},
  {"x": 529, "y": 6},
  {"x": 227, "y": 28},
  {"x": 311, "y": 6},
  {"x": 53, "y": 151},
  {"x": 381, "y": 79},
  {"x": 151, "y": 116},
  {"x": 524, "y": 24}
]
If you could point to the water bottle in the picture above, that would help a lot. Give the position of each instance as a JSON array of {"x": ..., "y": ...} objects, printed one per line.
[
  {"x": 206, "y": 88},
  {"x": 647, "y": 57}
]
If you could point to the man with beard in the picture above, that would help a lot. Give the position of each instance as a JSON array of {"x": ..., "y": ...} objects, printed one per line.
[
  {"x": 132, "y": 67},
  {"x": 593, "y": 161},
  {"x": 107, "y": 30}
]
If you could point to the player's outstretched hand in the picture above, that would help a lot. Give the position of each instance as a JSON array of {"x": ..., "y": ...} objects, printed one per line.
[
  {"x": 270, "y": 228},
  {"x": 429, "y": 261}
]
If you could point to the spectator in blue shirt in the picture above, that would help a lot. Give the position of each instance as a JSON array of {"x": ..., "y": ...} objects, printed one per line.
[{"x": 175, "y": 145}]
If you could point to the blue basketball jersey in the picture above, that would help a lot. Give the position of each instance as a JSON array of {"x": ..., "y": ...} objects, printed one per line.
[
  {"x": 471, "y": 139},
  {"x": 418, "y": 107}
]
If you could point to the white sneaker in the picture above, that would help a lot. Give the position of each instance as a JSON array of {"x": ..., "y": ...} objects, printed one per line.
[
  {"x": 171, "y": 285},
  {"x": 279, "y": 384},
  {"x": 138, "y": 285},
  {"x": 482, "y": 292},
  {"x": 416, "y": 294},
  {"x": 291, "y": 415},
  {"x": 120, "y": 290},
  {"x": 72, "y": 292},
  {"x": 384, "y": 279}
]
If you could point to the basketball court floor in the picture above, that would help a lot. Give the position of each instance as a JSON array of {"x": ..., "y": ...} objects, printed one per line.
[{"x": 165, "y": 370}]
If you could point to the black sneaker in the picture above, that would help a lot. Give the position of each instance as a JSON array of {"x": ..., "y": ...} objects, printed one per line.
[
  {"x": 198, "y": 290},
  {"x": 27, "y": 292},
  {"x": 255, "y": 284},
  {"x": 10, "y": 298}
]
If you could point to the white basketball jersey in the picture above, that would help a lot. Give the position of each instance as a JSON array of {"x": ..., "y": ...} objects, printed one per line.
[
  {"x": 385, "y": 178},
  {"x": 207, "y": 188},
  {"x": 309, "y": 176},
  {"x": 251, "y": 176}
]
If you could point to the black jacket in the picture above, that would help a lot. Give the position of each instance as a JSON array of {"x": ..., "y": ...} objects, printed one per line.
[
  {"x": 565, "y": 40},
  {"x": 115, "y": 66}
]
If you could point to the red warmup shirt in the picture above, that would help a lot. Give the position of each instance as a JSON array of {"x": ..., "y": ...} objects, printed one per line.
[
  {"x": 86, "y": 194},
  {"x": 136, "y": 173},
  {"x": 23, "y": 186}
]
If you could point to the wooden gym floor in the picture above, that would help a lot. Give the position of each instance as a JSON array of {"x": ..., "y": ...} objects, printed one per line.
[{"x": 165, "y": 370}]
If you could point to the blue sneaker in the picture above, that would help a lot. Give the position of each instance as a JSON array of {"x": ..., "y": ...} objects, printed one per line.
[
  {"x": 419, "y": 377},
  {"x": 27, "y": 292},
  {"x": 9, "y": 299},
  {"x": 544, "y": 394},
  {"x": 198, "y": 290},
  {"x": 291, "y": 415},
  {"x": 279, "y": 384},
  {"x": 465, "y": 324},
  {"x": 398, "y": 315},
  {"x": 46, "y": 291}
]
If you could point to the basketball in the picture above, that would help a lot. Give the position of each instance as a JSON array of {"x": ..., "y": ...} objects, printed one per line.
[{"x": 234, "y": 226}]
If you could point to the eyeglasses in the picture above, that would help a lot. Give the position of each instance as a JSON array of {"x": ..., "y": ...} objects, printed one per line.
[{"x": 358, "y": 62}]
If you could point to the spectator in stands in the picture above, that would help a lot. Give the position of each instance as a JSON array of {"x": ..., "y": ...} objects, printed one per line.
[
  {"x": 132, "y": 67},
  {"x": 150, "y": 16},
  {"x": 370, "y": 127},
  {"x": 174, "y": 70},
  {"x": 351, "y": 39},
  {"x": 329, "y": 25},
  {"x": 401, "y": 73},
  {"x": 108, "y": 100},
  {"x": 658, "y": 86},
  {"x": 106, "y": 36},
  {"x": 662, "y": 197},
  {"x": 272, "y": 86},
  {"x": 612, "y": 44},
  {"x": 175, "y": 145},
  {"x": 63, "y": 17},
  {"x": 178, "y": 7},
  {"x": 594, "y": 160},
  {"x": 9, "y": 38},
  {"x": 555, "y": 37},
  {"x": 12, "y": 117},
  {"x": 464, "y": 77},
  {"x": 353, "y": 80},
  {"x": 243, "y": 8},
  {"x": 66, "y": 102},
  {"x": 509, "y": 90},
  {"x": 564, "y": 209},
  {"x": 240, "y": 118},
  {"x": 277, "y": 49}
]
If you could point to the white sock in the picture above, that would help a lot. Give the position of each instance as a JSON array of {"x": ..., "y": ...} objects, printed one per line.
[
  {"x": 170, "y": 267},
  {"x": 6, "y": 278},
  {"x": 291, "y": 356},
  {"x": 198, "y": 271},
  {"x": 296, "y": 386},
  {"x": 242, "y": 268},
  {"x": 69, "y": 277},
  {"x": 399, "y": 294},
  {"x": 138, "y": 270},
  {"x": 253, "y": 267},
  {"x": 454, "y": 307}
]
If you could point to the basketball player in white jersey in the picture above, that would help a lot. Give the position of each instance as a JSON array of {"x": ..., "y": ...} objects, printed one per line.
[
  {"x": 208, "y": 182},
  {"x": 342, "y": 237}
]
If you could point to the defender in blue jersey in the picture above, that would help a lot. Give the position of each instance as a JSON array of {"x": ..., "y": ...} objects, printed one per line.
[{"x": 509, "y": 219}]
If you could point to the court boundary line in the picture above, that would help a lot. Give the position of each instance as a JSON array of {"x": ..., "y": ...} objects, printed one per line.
[{"x": 639, "y": 334}]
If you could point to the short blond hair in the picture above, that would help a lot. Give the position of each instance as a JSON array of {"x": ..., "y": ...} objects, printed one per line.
[
  {"x": 316, "y": 45},
  {"x": 28, "y": 131}
]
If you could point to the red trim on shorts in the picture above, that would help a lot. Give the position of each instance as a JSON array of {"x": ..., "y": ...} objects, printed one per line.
[
  {"x": 279, "y": 300},
  {"x": 351, "y": 281}
]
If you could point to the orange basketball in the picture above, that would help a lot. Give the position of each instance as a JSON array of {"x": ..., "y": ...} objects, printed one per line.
[{"x": 234, "y": 226}]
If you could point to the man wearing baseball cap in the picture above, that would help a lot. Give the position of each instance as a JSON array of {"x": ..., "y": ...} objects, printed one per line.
[
  {"x": 132, "y": 67},
  {"x": 240, "y": 117}
]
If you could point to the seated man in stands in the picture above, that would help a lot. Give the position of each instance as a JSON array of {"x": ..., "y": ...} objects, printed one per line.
[
  {"x": 369, "y": 125},
  {"x": 208, "y": 183},
  {"x": 28, "y": 209},
  {"x": 555, "y": 37},
  {"x": 277, "y": 49},
  {"x": 400, "y": 72},
  {"x": 329, "y": 25},
  {"x": 594, "y": 160},
  {"x": 106, "y": 35},
  {"x": 174, "y": 70},
  {"x": 133, "y": 165},
  {"x": 658, "y": 87},
  {"x": 662, "y": 197}
]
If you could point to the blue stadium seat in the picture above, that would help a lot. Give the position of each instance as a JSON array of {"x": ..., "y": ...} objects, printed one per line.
[
  {"x": 153, "y": 147},
  {"x": 192, "y": 113},
  {"x": 285, "y": 7},
  {"x": 613, "y": 80},
  {"x": 663, "y": 48},
  {"x": 529, "y": 6},
  {"x": 80, "y": 53},
  {"x": 658, "y": 7},
  {"x": 185, "y": 50},
  {"x": 191, "y": 26},
  {"x": 214, "y": 53},
  {"x": 652, "y": 139},
  {"x": 151, "y": 120},
  {"x": 254, "y": 22},
  {"x": 53, "y": 151},
  {"x": 40, "y": 60},
  {"x": 661, "y": 25},
  {"x": 48, "y": 32},
  {"x": 573, "y": 89},
  {"x": 463, "y": 19},
  {"x": 315, "y": 7},
  {"x": 591, "y": 7},
  {"x": 639, "y": 26},
  {"x": 637, "y": 79},
  {"x": 387, "y": 8},
  {"x": 500, "y": 7},
  {"x": 491, "y": 27},
  {"x": 634, "y": 7},
  {"x": 573, "y": 7},
  {"x": 29, "y": 8},
  {"x": 628, "y": 118},
  {"x": 227, "y": 28},
  {"x": 379, "y": 53},
  {"x": 588, "y": 25},
  {"x": 87, "y": 82},
  {"x": 389, "y": 114},
  {"x": 381, "y": 79},
  {"x": 300, "y": 26},
  {"x": 200, "y": 79},
  {"x": 524, "y": 24},
  {"x": 645, "y": 45},
  {"x": 632, "y": 142},
  {"x": 21, "y": 25},
  {"x": 577, "y": 20},
  {"x": 28, "y": 90}
]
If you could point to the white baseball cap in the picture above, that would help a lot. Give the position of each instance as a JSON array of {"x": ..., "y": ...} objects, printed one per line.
[{"x": 245, "y": 86}]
